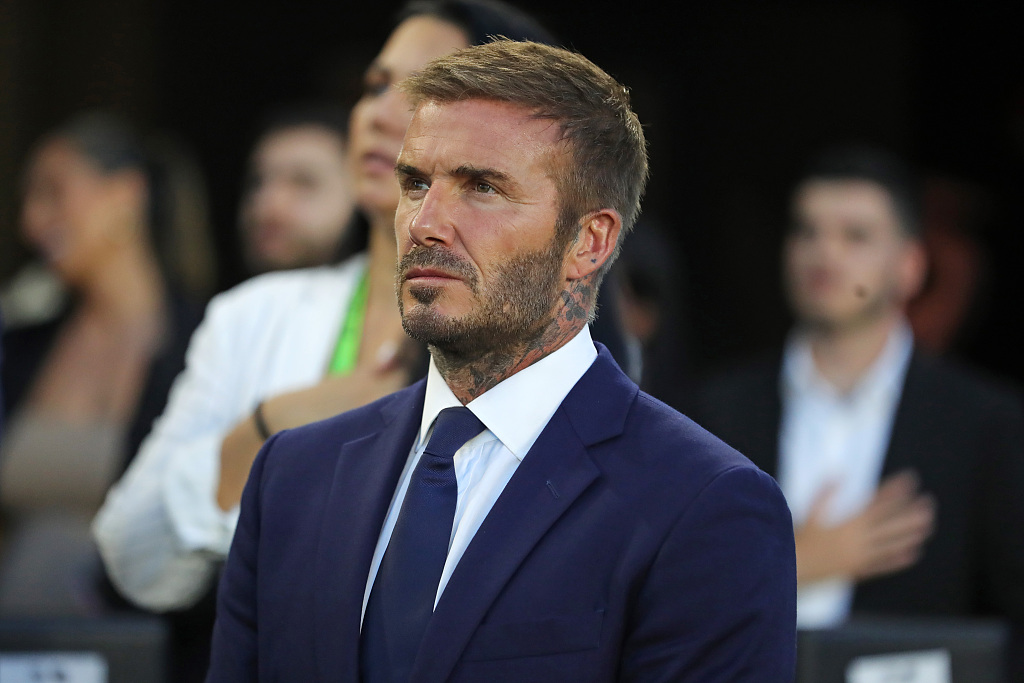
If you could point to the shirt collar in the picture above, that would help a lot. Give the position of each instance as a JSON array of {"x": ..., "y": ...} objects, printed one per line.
[
  {"x": 517, "y": 409},
  {"x": 800, "y": 375}
]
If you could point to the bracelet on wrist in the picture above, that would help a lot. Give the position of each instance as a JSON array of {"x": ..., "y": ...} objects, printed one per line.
[{"x": 261, "y": 422}]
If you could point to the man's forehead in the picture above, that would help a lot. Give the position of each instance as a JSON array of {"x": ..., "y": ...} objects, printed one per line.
[
  {"x": 308, "y": 157},
  {"x": 485, "y": 105},
  {"x": 842, "y": 196},
  {"x": 480, "y": 120}
]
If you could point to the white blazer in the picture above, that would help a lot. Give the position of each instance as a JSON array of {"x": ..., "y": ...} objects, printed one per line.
[{"x": 160, "y": 531}]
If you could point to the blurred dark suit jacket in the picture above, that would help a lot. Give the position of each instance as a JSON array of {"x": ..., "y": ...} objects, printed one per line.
[{"x": 964, "y": 435}]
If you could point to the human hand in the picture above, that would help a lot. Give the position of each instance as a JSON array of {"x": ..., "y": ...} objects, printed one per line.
[
  {"x": 885, "y": 537},
  {"x": 394, "y": 354},
  {"x": 389, "y": 371}
]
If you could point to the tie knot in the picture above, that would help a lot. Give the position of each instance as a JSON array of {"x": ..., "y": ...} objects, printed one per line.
[{"x": 452, "y": 428}]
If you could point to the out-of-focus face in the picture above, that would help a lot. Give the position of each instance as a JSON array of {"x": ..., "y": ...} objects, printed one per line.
[
  {"x": 381, "y": 116},
  {"x": 847, "y": 261},
  {"x": 480, "y": 267},
  {"x": 298, "y": 199},
  {"x": 75, "y": 215}
]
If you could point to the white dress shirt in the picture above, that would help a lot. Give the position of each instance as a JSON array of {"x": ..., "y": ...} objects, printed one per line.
[
  {"x": 514, "y": 413},
  {"x": 827, "y": 437},
  {"x": 160, "y": 531}
]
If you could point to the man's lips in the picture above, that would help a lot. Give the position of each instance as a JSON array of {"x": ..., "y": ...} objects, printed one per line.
[
  {"x": 422, "y": 274},
  {"x": 821, "y": 279},
  {"x": 435, "y": 266}
]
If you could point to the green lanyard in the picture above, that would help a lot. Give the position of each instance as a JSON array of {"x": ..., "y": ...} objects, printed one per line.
[{"x": 347, "y": 351}]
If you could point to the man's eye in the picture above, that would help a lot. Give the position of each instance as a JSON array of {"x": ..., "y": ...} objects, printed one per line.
[
  {"x": 485, "y": 188},
  {"x": 416, "y": 184},
  {"x": 857, "y": 235},
  {"x": 304, "y": 181}
]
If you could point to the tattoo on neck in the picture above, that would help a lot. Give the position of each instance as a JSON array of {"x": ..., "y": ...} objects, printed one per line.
[{"x": 470, "y": 375}]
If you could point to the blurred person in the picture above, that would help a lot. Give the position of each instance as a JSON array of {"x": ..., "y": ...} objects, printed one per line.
[
  {"x": 903, "y": 470},
  {"x": 178, "y": 210},
  {"x": 83, "y": 387},
  {"x": 554, "y": 523},
  {"x": 283, "y": 349},
  {"x": 298, "y": 200},
  {"x": 649, "y": 278}
]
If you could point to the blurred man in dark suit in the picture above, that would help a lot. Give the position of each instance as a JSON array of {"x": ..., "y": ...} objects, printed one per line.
[{"x": 903, "y": 471}]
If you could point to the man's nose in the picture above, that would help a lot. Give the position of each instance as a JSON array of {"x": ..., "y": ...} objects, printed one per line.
[
  {"x": 433, "y": 221},
  {"x": 831, "y": 248}
]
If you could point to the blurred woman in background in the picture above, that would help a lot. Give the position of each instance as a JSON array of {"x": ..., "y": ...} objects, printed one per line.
[{"x": 82, "y": 388}]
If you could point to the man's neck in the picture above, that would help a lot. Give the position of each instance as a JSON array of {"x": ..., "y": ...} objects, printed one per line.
[
  {"x": 470, "y": 375},
  {"x": 843, "y": 356}
]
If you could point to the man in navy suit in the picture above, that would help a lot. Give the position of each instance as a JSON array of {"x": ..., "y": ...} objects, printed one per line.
[{"x": 596, "y": 534}]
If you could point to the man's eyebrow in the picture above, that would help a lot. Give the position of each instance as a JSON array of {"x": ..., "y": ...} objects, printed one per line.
[
  {"x": 484, "y": 174},
  {"x": 466, "y": 171},
  {"x": 406, "y": 170}
]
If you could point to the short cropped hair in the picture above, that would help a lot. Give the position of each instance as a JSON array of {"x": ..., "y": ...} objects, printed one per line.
[
  {"x": 876, "y": 165},
  {"x": 608, "y": 152},
  {"x": 330, "y": 117}
]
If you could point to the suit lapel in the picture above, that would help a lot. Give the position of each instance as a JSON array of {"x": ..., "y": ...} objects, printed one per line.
[
  {"x": 555, "y": 472},
  {"x": 899, "y": 454},
  {"x": 365, "y": 478},
  {"x": 903, "y": 452}
]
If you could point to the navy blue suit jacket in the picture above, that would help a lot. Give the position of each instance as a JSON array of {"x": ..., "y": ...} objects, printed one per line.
[{"x": 629, "y": 545}]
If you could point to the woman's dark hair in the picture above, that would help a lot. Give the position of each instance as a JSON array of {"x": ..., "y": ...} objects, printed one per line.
[
  {"x": 107, "y": 140},
  {"x": 481, "y": 19}
]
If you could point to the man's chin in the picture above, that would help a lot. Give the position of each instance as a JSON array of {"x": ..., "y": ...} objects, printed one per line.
[
  {"x": 453, "y": 335},
  {"x": 427, "y": 326},
  {"x": 420, "y": 294}
]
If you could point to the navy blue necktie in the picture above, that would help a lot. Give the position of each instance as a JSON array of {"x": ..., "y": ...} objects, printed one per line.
[{"x": 402, "y": 598}]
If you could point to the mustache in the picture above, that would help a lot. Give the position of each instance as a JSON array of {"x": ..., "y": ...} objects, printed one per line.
[{"x": 440, "y": 258}]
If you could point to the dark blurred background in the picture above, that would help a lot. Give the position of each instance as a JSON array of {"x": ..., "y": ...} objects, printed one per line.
[{"x": 733, "y": 95}]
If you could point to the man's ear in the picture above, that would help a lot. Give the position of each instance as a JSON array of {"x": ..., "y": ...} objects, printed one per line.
[
  {"x": 595, "y": 243},
  {"x": 913, "y": 269}
]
